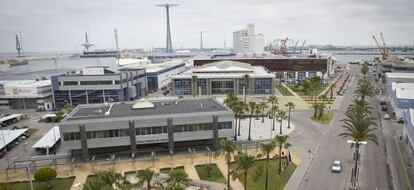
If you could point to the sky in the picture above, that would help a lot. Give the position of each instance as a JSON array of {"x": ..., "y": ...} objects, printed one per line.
[{"x": 59, "y": 25}]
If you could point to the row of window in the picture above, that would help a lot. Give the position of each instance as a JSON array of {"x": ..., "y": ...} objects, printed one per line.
[
  {"x": 89, "y": 82},
  {"x": 146, "y": 131}
]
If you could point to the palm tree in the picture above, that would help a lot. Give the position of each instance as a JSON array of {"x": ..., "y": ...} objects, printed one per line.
[
  {"x": 273, "y": 108},
  {"x": 291, "y": 106},
  {"x": 266, "y": 149},
  {"x": 281, "y": 115},
  {"x": 93, "y": 184},
  {"x": 227, "y": 148},
  {"x": 281, "y": 140},
  {"x": 145, "y": 176},
  {"x": 245, "y": 79},
  {"x": 243, "y": 162},
  {"x": 238, "y": 111},
  {"x": 360, "y": 106},
  {"x": 263, "y": 106},
  {"x": 364, "y": 89},
  {"x": 287, "y": 146},
  {"x": 113, "y": 179},
  {"x": 194, "y": 84},
  {"x": 364, "y": 69},
  {"x": 279, "y": 75},
  {"x": 177, "y": 179},
  {"x": 258, "y": 110},
  {"x": 252, "y": 107},
  {"x": 244, "y": 107},
  {"x": 358, "y": 127},
  {"x": 231, "y": 101},
  {"x": 321, "y": 109}
]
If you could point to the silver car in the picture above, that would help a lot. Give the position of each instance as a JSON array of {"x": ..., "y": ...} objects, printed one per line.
[{"x": 336, "y": 166}]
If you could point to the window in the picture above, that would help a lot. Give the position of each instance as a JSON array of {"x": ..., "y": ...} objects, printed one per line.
[
  {"x": 222, "y": 87},
  {"x": 225, "y": 125},
  {"x": 150, "y": 130},
  {"x": 107, "y": 133},
  {"x": 70, "y": 83},
  {"x": 263, "y": 86},
  {"x": 182, "y": 86},
  {"x": 71, "y": 136},
  {"x": 101, "y": 82}
]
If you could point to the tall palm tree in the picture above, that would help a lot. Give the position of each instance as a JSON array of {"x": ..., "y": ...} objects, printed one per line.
[
  {"x": 266, "y": 149},
  {"x": 246, "y": 79},
  {"x": 360, "y": 106},
  {"x": 145, "y": 176},
  {"x": 238, "y": 111},
  {"x": 231, "y": 101},
  {"x": 244, "y": 108},
  {"x": 281, "y": 115},
  {"x": 194, "y": 84},
  {"x": 177, "y": 179},
  {"x": 263, "y": 106},
  {"x": 252, "y": 107},
  {"x": 93, "y": 184},
  {"x": 287, "y": 146},
  {"x": 273, "y": 108},
  {"x": 113, "y": 179},
  {"x": 364, "y": 89},
  {"x": 243, "y": 162},
  {"x": 358, "y": 127},
  {"x": 291, "y": 106},
  {"x": 280, "y": 140},
  {"x": 227, "y": 148},
  {"x": 364, "y": 69},
  {"x": 258, "y": 110}
]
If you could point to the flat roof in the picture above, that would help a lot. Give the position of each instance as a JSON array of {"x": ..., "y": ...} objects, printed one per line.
[
  {"x": 119, "y": 109},
  {"x": 49, "y": 139},
  {"x": 33, "y": 75},
  {"x": 11, "y": 116},
  {"x": 403, "y": 90},
  {"x": 26, "y": 83},
  {"x": 399, "y": 75},
  {"x": 9, "y": 136}
]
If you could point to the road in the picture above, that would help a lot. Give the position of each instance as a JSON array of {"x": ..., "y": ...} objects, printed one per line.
[{"x": 373, "y": 172}]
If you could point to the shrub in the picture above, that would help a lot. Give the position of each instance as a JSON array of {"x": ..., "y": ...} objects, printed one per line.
[{"x": 45, "y": 175}]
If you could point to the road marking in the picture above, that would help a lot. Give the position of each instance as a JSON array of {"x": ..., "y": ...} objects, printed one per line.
[{"x": 402, "y": 161}]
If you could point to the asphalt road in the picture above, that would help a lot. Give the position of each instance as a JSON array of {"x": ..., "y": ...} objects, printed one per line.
[{"x": 373, "y": 171}]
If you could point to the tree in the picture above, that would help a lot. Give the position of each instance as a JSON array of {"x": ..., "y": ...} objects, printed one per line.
[
  {"x": 68, "y": 107},
  {"x": 252, "y": 107},
  {"x": 266, "y": 149},
  {"x": 194, "y": 85},
  {"x": 263, "y": 106},
  {"x": 364, "y": 89},
  {"x": 232, "y": 102},
  {"x": 273, "y": 108},
  {"x": 227, "y": 148},
  {"x": 145, "y": 176},
  {"x": 357, "y": 125},
  {"x": 321, "y": 109},
  {"x": 364, "y": 69},
  {"x": 243, "y": 163},
  {"x": 280, "y": 140},
  {"x": 177, "y": 179},
  {"x": 113, "y": 179},
  {"x": 282, "y": 115},
  {"x": 246, "y": 79},
  {"x": 45, "y": 175},
  {"x": 291, "y": 106},
  {"x": 93, "y": 184},
  {"x": 279, "y": 75}
]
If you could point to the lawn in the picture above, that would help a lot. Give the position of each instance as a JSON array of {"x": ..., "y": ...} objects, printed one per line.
[
  {"x": 325, "y": 119},
  {"x": 57, "y": 184},
  {"x": 216, "y": 175},
  {"x": 283, "y": 90},
  {"x": 299, "y": 90},
  {"x": 168, "y": 170},
  {"x": 276, "y": 182}
]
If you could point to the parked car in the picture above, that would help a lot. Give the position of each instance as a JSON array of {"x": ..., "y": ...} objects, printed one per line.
[
  {"x": 384, "y": 107},
  {"x": 386, "y": 116},
  {"x": 401, "y": 120},
  {"x": 336, "y": 166}
]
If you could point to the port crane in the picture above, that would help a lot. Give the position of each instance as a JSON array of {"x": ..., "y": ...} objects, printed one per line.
[
  {"x": 384, "y": 49},
  {"x": 87, "y": 45},
  {"x": 303, "y": 44},
  {"x": 296, "y": 45},
  {"x": 283, "y": 46}
]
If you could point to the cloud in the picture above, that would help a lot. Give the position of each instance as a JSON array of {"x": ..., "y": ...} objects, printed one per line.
[{"x": 56, "y": 25}]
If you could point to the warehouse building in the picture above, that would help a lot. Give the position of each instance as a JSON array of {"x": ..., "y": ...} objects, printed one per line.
[
  {"x": 98, "y": 85},
  {"x": 224, "y": 77},
  {"x": 145, "y": 126},
  {"x": 26, "y": 94}
]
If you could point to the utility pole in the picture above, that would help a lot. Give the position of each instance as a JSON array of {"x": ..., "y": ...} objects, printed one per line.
[
  {"x": 168, "y": 48},
  {"x": 201, "y": 40},
  {"x": 117, "y": 45},
  {"x": 19, "y": 46},
  {"x": 87, "y": 45}
]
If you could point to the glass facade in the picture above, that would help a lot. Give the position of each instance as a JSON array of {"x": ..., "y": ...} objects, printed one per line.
[
  {"x": 263, "y": 86},
  {"x": 79, "y": 97},
  {"x": 182, "y": 86},
  {"x": 242, "y": 84},
  {"x": 203, "y": 84},
  {"x": 152, "y": 83},
  {"x": 222, "y": 87}
]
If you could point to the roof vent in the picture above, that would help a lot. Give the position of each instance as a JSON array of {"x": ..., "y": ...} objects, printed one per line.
[{"x": 141, "y": 104}]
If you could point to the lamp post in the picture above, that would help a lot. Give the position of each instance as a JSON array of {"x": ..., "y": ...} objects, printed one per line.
[
  {"x": 28, "y": 166},
  {"x": 356, "y": 158}
]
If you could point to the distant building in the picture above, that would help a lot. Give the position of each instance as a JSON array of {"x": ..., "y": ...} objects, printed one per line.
[
  {"x": 400, "y": 87},
  {"x": 98, "y": 85},
  {"x": 159, "y": 74},
  {"x": 224, "y": 77},
  {"x": 26, "y": 94},
  {"x": 247, "y": 41},
  {"x": 145, "y": 126},
  {"x": 291, "y": 68}
]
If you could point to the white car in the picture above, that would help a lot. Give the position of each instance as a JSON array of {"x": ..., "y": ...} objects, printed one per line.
[
  {"x": 337, "y": 166},
  {"x": 386, "y": 116}
]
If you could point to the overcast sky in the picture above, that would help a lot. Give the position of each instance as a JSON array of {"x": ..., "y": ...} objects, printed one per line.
[{"x": 59, "y": 25}]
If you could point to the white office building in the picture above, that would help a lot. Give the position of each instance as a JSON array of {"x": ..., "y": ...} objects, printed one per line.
[{"x": 246, "y": 41}]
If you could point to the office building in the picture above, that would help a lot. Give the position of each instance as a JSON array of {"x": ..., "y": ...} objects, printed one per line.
[
  {"x": 98, "y": 85},
  {"x": 246, "y": 41},
  {"x": 408, "y": 130},
  {"x": 145, "y": 126},
  {"x": 26, "y": 94},
  {"x": 223, "y": 77}
]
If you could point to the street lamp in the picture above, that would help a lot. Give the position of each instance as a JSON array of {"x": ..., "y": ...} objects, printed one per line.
[
  {"x": 354, "y": 179},
  {"x": 28, "y": 166}
]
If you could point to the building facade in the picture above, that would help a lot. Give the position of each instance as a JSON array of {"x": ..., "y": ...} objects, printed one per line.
[
  {"x": 408, "y": 130},
  {"x": 222, "y": 78},
  {"x": 247, "y": 41},
  {"x": 145, "y": 126},
  {"x": 26, "y": 94},
  {"x": 98, "y": 85}
]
